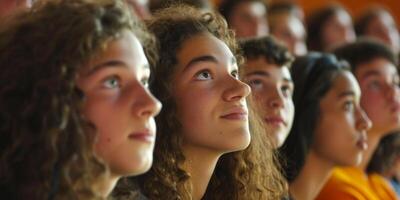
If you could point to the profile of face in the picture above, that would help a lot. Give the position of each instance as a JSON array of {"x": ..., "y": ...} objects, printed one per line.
[
  {"x": 210, "y": 98},
  {"x": 337, "y": 30},
  {"x": 290, "y": 30},
  {"x": 379, "y": 83},
  {"x": 272, "y": 89},
  {"x": 7, "y": 7},
  {"x": 120, "y": 106},
  {"x": 340, "y": 133},
  {"x": 383, "y": 27},
  {"x": 249, "y": 19}
]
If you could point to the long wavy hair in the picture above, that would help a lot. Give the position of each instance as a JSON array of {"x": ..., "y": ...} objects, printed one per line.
[
  {"x": 313, "y": 76},
  {"x": 46, "y": 145},
  {"x": 247, "y": 174}
]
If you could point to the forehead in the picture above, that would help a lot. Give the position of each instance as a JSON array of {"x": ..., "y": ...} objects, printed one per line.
[
  {"x": 379, "y": 66},
  {"x": 261, "y": 64},
  {"x": 345, "y": 82},
  {"x": 126, "y": 48},
  {"x": 201, "y": 45},
  {"x": 256, "y": 8}
]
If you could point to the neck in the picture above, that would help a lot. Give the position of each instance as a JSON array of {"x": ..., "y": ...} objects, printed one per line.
[
  {"x": 200, "y": 164},
  {"x": 104, "y": 186},
  {"x": 373, "y": 141},
  {"x": 311, "y": 178}
]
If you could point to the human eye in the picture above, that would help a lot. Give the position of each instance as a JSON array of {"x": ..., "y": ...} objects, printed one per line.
[
  {"x": 235, "y": 74},
  {"x": 203, "y": 75},
  {"x": 348, "y": 106},
  {"x": 287, "y": 90},
  {"x": 112, "y": 82},
  {"x": 255, "y": 84},
  {"x": 145, "y": 82},
  {"x": 374, "y": 85}
]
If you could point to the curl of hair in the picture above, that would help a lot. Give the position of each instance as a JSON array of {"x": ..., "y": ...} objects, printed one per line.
[
  {"x": 45, "y": 142},
  {"x": 248, "y": 174},
  {"x": 313, "y": 76}
]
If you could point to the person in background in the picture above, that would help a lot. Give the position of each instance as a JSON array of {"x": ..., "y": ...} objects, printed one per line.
[
  {"x": 75, "y": 111},
  {"x": 377, "y": 22},
  {"x": 329, "y": 127},
  {"x": 266, "y": 70},
  {"x": 374, "y": 66},
  {"x": 329, "y": 28},
  {"x": 248, "y": 18},
  {"x": 286, "y": 26},
  {"x": 205, "y": 149},
  {"x": 203, "y": 5},
  {"x": 9, "y": 7},
  {"x": 386, "y": 160}
]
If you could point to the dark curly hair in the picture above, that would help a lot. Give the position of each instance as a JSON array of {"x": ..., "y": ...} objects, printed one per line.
[
  {"x": 46, "y": 145},
  {"x": 268, "y": 47},
  {"x": 313, "y": 76},
  {"x": 365, "y": 50},
  {"x": 247, "y": 174}
]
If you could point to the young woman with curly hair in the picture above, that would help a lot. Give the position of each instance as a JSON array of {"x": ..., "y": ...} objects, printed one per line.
[
  {"x": 203, "y": 148},
  {"x": 74, "y": 109}
]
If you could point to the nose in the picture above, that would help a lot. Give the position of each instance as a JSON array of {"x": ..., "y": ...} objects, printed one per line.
[
  {"x": 393, "y": 93},
  {"x": 236, "y": 90},
  {"x": 363, "y": 122},
  {"x": 276, "y": 99},
  {"x": 145, "y": 104}
]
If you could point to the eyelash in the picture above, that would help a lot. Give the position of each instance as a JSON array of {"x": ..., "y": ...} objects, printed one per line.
[
  {"x": 112, "y": 78},
  {"x": 202, "y": 72}
]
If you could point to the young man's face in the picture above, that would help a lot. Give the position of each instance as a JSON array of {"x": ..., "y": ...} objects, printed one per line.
[
  {"x": 379, "y": 83},
  {"x": 272, "y": 89}
]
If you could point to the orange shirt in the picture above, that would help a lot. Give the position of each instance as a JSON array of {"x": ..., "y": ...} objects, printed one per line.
[{"x": 350, "y": 183}]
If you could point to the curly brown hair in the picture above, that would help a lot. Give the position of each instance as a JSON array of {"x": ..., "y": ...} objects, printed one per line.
[
  {"x": 46, "y": 145},
  {"x": 247, "y": 174}
]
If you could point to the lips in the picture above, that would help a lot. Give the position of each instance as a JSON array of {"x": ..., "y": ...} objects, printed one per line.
[
  {"x": 362, "y": 142},
  {"x": 237, "y": 113},
  {"x": 275, "y": 120},
  {"x": 144, "y": 136}
]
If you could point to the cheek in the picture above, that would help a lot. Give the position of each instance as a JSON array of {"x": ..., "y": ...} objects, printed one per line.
[{"x": 373, "y": 104}]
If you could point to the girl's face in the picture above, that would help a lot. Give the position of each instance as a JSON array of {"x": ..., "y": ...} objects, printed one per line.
[
  {"x": 210, "y": 98},
  {"x": 379, "y": 82},
  {"x": 340, "y": 135},
  {"x": 120, "y": 106},
  {"x": 337, "y": 30}
]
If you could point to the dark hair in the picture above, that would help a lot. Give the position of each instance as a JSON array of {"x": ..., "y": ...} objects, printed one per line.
[
  {"x": 315, "y": 24},
  {"x": 362, "y": 22},
  {"x": 161, "y": 4},
  {"x": 46, "y": 145},
  {"x": 385, "y": 155},
  {"x": 226, "y": 7},
  {"x": 249, "y": 173},
  {"x": 267, "y": 47},
  {"x": 363, "y": 51},
  {"x": 313, "y": 76}
]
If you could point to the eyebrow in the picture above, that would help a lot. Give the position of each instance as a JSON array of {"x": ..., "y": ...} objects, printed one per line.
[
  {"x": 205, "y": 58},
  {"x": 264, "y": 73},
  {"x": 346, "y": 94},
  {"x": 110, "y": 63},
  {"x": 371, "y": 73}
]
